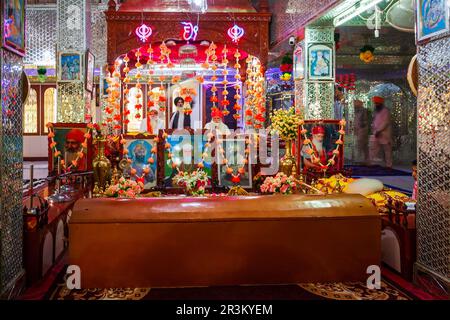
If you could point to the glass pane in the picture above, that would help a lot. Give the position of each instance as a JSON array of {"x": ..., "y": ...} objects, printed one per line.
[
  {"x": 135, "y": 96},
  {"x": 49, "y": 107},
  {"x": 30, "y": 119}
]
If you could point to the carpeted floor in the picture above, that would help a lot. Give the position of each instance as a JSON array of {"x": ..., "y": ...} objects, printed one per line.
[
  {"x": 306, "y": 291},
  {"x": 358, "y": 171}
]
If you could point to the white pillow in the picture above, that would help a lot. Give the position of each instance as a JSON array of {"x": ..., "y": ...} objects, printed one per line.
[{"x": 364, "y": 186}]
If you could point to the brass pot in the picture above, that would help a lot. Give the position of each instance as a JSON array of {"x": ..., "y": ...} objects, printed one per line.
[
  {"x": 101, "y": 166},
  {"x": 288, "y": 163}
]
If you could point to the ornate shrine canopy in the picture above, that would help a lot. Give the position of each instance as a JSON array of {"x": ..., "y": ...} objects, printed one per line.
[
  {"x": 183, "y": 6},
  {"x": 212, "y": 25}
]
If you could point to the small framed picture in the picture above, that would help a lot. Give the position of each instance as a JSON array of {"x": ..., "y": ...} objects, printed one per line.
[
  {"x": 323, "y": 135},
  {"x": 13, "y": 33},
  {"x": 69, "y": 138},
  {"x": 90, "y": 64},
  {"x": 105, "y": 86},
  {"x": 432, "y": 18},
  {"x": 140, "y": 151},
  {"x": 187, "y": 148},
  {"x": 235, "y": 156},
  {"x": 320, "y": 62},
  {"x": 69, "y": 66},
  {"x": 299, "y": 62}
]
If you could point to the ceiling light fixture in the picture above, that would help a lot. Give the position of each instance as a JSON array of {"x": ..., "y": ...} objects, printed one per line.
[
  {"x": 354, "y": 11},
  {"x": 198, "y": 5}
]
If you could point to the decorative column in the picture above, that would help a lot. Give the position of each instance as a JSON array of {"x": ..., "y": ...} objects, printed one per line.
[
  {"x": 319, "y": 72},
  {"x": 11, "y": 174},
  {"x": 74, "y": 23},
  {"x": 432, "y": 270},
  {"x": 99, "y": 49},
  {"x": 299, "y": 77}
]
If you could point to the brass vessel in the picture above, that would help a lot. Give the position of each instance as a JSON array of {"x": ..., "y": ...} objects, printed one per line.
[
  {"x": 101, "y": 166},
  {"x": 288, "y": 163}
]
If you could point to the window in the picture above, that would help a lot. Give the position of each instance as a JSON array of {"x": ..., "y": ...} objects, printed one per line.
[
  {"x": 49, "y": 107},
  {"x": 39, "y": 109},
  {"x": 30, "y": 117}
]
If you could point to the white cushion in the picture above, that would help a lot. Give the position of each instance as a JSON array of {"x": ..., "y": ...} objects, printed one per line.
[{"x": 364, "y": 186}]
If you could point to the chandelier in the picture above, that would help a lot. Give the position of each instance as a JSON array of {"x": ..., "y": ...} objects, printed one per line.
[{"x": 198, "y": 5}]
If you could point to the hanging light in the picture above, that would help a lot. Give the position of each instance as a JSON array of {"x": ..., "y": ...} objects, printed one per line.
[{"x": 198, "y": 5}]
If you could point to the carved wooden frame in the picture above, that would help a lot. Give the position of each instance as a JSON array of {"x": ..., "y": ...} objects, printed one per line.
[{"x": 213, "y": 27}]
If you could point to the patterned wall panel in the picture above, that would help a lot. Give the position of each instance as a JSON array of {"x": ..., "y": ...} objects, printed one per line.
[
  {"x": 319, "y": 100},
  {"x": 11, "y": 144},
  {"x": 74, "y": 28},
  {"x": 71, "y": 105},
  {"x": 290, "y": 15},
  {"x": 41, "y": 35},
  {"x": 433, "y": 214},
  {"x": 71, "y": 25},
  {"x": 99, "y": 35}
]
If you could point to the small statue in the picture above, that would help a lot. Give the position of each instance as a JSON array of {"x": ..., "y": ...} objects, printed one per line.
[
  {"x": 115, "y": 175},
  {"x": 96, "y": 191}
]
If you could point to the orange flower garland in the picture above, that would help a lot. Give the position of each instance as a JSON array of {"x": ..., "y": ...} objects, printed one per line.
[
  {"x": 187, "y": 94},
  {"x": 255, "y": 97},
  {"x": 237, "y": 107},
  {"x": 112, "y": 110},
  {"x": 126, "y": 80},
  {"x": 138, "y": 85},
  {"x": 225, "y": 102}
]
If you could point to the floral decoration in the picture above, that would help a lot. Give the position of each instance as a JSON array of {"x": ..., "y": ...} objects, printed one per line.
[
  {"x": 124, "y": 188},
  {"x": 285, "y": 123},
  {"x": 194, "y": 183},
  {"x": 281, "y": 183},
  {"x": 366, "y": 53}
]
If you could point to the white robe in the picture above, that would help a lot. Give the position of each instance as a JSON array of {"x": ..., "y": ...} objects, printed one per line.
[
  {"x": 220, "y": 128},
  {"x": 157, "y": 124}
]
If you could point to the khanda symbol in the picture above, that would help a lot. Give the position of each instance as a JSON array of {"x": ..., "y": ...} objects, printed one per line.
[
  {"x": 143, "y": 32},
  {"x": 190, "y": 31},
  {"x": 235, "y": 33}
]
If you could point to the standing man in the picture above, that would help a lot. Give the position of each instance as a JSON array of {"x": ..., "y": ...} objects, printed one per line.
[
  {"x": 338, "y": 103},
  {"x": 382, "y": 132},
  {"x": 179, "y": 120},
  {"x": 361, "y": 130}
]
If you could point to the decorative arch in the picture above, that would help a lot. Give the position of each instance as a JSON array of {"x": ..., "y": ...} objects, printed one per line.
[{"x": 213, "y": 27}]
